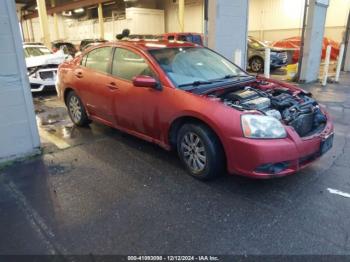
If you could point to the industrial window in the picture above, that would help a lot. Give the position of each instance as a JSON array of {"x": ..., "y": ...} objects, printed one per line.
[
  {"x": 98, "y": 59},
  {"x": 127, "y": 65}
]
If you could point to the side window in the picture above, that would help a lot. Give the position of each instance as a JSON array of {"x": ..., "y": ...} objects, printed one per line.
[
  {"x": 127, "y": 65},
  {"x": 98, "y": 59},
  {"x": 171, "y": 38}
]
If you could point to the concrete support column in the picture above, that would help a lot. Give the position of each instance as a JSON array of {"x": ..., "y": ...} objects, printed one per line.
[
  {"x": 55, "y": 25},
  {"x": 55, "y": 22},
  {"x": 228, "y": 27},
  {"x": 347, "y": 47},
  {"x": 44, "y": 22},
  {"x": 100, "y": 21},
  {"x": 347, "y": 58},
  {"x": 28, "y": 29},
  {"x": 316, "y": 19},
  {"x": 182, "y": 15},
  {"x": 18, "y": 130}
]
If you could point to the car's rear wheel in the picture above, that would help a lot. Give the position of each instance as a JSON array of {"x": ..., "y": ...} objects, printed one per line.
[
  {"x": 256, "y": 64},
  {"x": 76, "y": 110},
  {"x": 200, "y": 151}
]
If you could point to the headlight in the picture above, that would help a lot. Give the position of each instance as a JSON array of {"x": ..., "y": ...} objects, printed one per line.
[{"x": 259, "y": 126}]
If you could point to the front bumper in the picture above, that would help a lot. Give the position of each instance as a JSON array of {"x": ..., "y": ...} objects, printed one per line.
[
  {"x": 277, "y": 62},
  {"x": 271, "y": 158},
  {"x": 43, "y": 79}
]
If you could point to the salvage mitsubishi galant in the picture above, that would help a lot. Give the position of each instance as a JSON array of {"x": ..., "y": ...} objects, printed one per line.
[{"x": 186, "y": 97}]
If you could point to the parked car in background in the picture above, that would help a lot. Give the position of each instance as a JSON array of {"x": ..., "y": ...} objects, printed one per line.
[
  {"x": 294, "y": 43},
  {"x": 185, "y": 37},
  {"x": 42, "y": 66},
  {"x": 256, "y": 55},
  {"x": 86, "y": 42},
  {"x": 67, "y": 47},
  {"x": 186, "y": 97}
]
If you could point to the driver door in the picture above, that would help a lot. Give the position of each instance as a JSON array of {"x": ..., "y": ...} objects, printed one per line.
[{"x": 137, "y": 108}]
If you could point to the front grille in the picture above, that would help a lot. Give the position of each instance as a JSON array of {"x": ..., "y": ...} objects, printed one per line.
[
  {"x": 283, "y": 55},
  {"x": 47, "y": 75},
  {"x": 307, "y": 159}
]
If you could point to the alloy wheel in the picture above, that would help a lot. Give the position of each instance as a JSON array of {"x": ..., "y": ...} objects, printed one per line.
[
  {"x": 75, "y": 109},
  {"x": 193, "y": 151},
  {"x": 256, "y": 65}
]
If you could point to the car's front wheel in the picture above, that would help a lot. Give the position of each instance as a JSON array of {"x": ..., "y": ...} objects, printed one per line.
[
  {"x": 76, "y": 110},
  {"x": 256, "y": 64},
  {"x": 200, "y": 151}
]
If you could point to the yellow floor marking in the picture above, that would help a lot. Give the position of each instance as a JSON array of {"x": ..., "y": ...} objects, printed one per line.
[{"x": 60, "y": 143}]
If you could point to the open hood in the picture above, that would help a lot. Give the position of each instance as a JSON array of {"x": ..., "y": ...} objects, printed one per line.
[{"x": 51, "y": 59}]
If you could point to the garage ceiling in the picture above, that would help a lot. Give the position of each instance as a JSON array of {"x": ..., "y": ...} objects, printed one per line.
[{"x": 60, "y": 5}]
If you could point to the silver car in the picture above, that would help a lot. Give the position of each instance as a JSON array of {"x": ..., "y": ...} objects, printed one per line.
[{"x": 256, "y": 55}]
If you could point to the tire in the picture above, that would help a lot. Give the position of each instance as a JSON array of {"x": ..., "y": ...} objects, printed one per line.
[
  {"x": 200, "y": 151},
  {"x": 76, "y": 110},
  {"x": 256, "y": 64}
]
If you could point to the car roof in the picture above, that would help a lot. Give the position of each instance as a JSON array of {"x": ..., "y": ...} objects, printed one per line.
[{"x": 151, "y": 44}]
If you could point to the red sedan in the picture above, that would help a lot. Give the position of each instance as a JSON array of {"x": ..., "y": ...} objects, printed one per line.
[{"x": 186, "y": 97}]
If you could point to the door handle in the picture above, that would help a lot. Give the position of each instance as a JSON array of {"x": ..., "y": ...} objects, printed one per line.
[
  {"x": 112, "y": 86},
  {"x": 79, "y": 74}
]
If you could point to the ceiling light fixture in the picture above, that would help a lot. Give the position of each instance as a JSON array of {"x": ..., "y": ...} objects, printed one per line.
[
  {"x": 67, "y": 13},
  {"x": 109, "y": 3},
  {"x": 79, "y": 10}
]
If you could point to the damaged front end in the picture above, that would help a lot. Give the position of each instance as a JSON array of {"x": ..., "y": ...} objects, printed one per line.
[
  {"x": 42, "y": 77},
  {"x": 292, "y": 108}
]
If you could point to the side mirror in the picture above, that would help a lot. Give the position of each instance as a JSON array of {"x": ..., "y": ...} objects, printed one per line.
[{"x": 146, "y": 81}]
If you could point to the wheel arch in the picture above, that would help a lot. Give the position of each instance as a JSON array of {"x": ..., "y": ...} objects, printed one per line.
[
  {"x": 178, "y": 122},
  {"x": 256, "y": 56}
]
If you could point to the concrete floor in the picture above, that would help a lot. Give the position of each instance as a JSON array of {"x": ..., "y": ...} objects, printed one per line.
[{"x": 98, "y": 191}]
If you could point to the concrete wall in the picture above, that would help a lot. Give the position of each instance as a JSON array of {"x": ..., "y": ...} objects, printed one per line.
[
  {"x": 277, "y": 19},
  {"x": 138, "y": 20},
  {"x": 74, "y": 30},
  {"x": 18, "y": 131}
]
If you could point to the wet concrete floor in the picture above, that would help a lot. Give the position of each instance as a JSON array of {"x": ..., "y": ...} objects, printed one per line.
[{"x": 98, "y": 191}]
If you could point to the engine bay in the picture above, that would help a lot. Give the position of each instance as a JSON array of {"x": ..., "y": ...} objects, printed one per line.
[{"x": 296, "y": 109}]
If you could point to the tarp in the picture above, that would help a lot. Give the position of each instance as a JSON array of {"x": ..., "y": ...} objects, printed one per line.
[{"x": 295, "y": 43}]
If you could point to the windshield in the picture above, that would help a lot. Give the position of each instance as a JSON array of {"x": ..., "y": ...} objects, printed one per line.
[
  {"x": 256, "y": 44},
  {"x": 36, "y": 51},
  {"x": 195, "y": 66}
]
